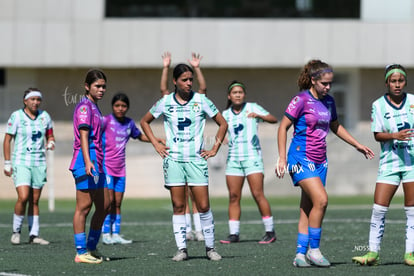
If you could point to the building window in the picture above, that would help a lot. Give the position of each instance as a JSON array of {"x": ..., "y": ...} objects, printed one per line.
[
  {"x": 234, "y": 8},
  {"x": 2, "y": 77}
]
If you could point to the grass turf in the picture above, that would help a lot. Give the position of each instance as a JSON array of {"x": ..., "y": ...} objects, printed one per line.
[{"x": 148, "y": 223}]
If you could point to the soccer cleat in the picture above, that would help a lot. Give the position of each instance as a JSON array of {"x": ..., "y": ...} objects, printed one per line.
[
  {"x": 300, "y": 261},
  {"x": 371, "y": 258},
  {"x": 106, "y": 239},
  {"x": 37, "y": 240},
  {"x": 409, "y": 258},
  {"x": 231, "y": 238},
  {"x": 87, "y": 258},
  {"x": 189, "y": 236},
  {"x": 212, "y": 254},
  {"x": 198, "y": 236},
  {"x": 15, "y": 238},
  {"x": 269, "y": 237},
  {"x": 116, "y": 238},
  {"x": 315, "y": 257},
  {"x": 95, "y": 253},
  {"x": 181, "y": 255}
]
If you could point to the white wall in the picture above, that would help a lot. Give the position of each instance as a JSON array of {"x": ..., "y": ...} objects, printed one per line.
[{"x": 64, "y": 33}]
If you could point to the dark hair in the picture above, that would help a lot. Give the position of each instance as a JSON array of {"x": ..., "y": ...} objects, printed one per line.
[
  {"x": 314, "y": 69},
  {"x": 30, "y": 89},
  {"x": 230, "y": 87},
  {"x": 120, "y": 97},
  {"x": 390, "y": 67},
  {"x": 180, "y": 69},
  {"x": 93, "y": 75}
]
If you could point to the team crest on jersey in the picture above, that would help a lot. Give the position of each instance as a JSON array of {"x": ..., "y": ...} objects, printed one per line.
[
  {"x": 83, "y": 109},
  {"x": 43, "y": 121},
  {"x": 196, "y": 107},
  {"x": 412, "y": 109}
]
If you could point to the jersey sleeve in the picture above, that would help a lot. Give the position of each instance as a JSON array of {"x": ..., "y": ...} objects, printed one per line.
[
  {"x": 259, "y": 110},
  {"x": 158, "y": 108},
  {"x": 49, "y": 122},
  {"x": 135, "y": 132},
  {"x": 12, "y": 124},
  {"x": 84, "y": 116},
  {"x": 376, "y": 119},
  {"x": 295, "y": 108},
  {"x": 106, "y": 120},
  {"x": 209, "y": 108},
  {"x": 334, "y": 115}
]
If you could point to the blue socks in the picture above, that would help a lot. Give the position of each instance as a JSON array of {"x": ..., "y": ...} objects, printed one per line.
[
  {"x": 116, "y": 226},
  {"x": 302, "y": 243},
  {"x": 93, "y": 239},
  {"x": 314, "y": 237},
  {"x": 80, "y": 243}
]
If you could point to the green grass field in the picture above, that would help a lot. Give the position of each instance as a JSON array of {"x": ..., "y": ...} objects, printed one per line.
[{"x": 148, "y": 223}]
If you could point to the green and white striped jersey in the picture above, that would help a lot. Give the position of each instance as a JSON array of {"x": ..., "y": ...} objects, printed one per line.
[
  {"x": 395, "y": 155},
  {"x": 242, "y": 132},
  {"x": 29, "y": 137},
  {"x": 184, "y": 124}
]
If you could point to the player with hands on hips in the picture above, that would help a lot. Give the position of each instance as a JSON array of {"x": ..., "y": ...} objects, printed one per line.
[{"x": 184, "y": 157}]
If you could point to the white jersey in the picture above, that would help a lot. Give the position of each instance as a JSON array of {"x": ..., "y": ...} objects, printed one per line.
[
  {"x": 184, "y": 124},
  {"x": 29, "y": 137},
  {"x": 243, "y": 132},
  {"x": 395, "y": 155}
]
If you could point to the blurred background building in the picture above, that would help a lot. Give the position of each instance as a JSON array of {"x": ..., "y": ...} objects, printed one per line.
[{"x": 50, "y": 44}]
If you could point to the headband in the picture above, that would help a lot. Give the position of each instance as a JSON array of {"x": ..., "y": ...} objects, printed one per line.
[
  {"x": 33, "y": 94},
  {"x": 395, "y": 70},
  {"x": 236, "y": 84}
]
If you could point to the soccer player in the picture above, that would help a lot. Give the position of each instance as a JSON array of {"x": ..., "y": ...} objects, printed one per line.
[
  {"x": 87, "y": 169},
  {"x": 184, "y": 156},
  {"x": 29, "y": 127},
  {"x": 245, "y": 159},
  {"x": 196, "y": 235},
  {"x": 117, "y": 130},
  {"x": 313, "y": 113},
  {"x": 393, "y": 126}
]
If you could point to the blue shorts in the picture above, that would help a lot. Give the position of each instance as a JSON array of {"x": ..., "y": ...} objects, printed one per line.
[
  {"x": 301, "y": 168},
  {"x": 86, "y": 182},
  {"x": 245, "y": 167},
  {"x": 116, "y": 183},
  {"x": 192, "y": 173},
  {"x": 395, "y": 178}
]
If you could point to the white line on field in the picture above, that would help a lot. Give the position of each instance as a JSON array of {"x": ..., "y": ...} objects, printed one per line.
[{"x": 277, "y": 221}]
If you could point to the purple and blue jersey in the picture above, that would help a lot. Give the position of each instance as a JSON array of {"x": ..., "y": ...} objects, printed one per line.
[
  {"x": 311, "y": 118},
  {"x": 87, "y": 115},
  {"x": 115, "y": 137}
]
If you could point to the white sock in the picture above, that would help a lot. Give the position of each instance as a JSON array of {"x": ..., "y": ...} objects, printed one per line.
[
  {"x": 17, "y": 223},
  {"x": 268, "y": 224},
  {"x": 207, "y": 224},
  {"x": 234, "y": 227},
  {"x": 376, "y": 231},
  {"x": 34, "y": 225},
  {"x": 197, "y": 223},
  {"x": 188, "y": 222},
  {"x": 179, "y": 230},
  {"x": 409, "y": 232}
]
